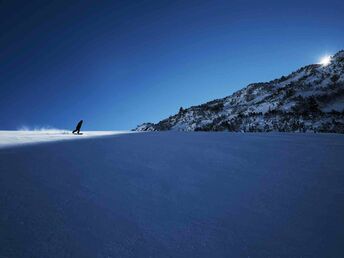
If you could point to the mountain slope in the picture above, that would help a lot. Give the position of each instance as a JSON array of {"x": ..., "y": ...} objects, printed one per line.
[
  {"x": 174, "y": 194},
  {"x": 310, "y": 99}
]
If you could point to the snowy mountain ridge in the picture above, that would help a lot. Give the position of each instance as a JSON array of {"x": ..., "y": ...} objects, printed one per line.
[{"x": 310, "y": 99}]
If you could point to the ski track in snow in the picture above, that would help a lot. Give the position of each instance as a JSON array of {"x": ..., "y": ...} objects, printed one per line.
[{"x": 170, "y": 194}]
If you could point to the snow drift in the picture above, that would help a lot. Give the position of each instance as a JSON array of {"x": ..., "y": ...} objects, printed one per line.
[{"x": 174, "y": 195}]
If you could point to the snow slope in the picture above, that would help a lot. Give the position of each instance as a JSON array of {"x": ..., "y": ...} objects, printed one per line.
[
  {"x": 174, "y": 194},
  {"x": 9, "y": 138}
]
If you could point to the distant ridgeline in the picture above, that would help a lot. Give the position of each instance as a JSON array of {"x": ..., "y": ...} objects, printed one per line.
[{"x": 308, "y": 100}]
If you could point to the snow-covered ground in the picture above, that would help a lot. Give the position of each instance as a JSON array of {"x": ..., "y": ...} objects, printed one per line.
[
  {"x": 9, "y": 138},
  {"x": 173, "y": 194}
]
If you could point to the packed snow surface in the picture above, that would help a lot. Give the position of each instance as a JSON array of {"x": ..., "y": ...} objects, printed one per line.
[
  {"x": 8, "y": 138},
  {"x": 174, "y": 194}
]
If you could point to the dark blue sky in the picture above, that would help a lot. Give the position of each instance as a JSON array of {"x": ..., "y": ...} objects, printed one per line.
[{"x": 116, "y": 64}]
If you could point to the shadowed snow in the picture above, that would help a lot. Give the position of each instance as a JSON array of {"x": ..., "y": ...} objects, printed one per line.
[{"x": 174, "y": 195}]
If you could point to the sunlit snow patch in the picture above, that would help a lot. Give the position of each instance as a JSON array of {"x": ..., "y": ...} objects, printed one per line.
[{"x": 9, "y": 138}]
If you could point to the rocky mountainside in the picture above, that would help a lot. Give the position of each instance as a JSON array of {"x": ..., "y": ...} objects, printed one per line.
[{"x": 308, "y": 100}]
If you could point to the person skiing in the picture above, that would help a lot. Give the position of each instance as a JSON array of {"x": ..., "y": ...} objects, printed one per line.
[{"x": 78, "y": 127}]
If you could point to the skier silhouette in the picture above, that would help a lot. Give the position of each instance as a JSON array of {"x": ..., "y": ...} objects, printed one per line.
[{"x": 78, "y": 127}]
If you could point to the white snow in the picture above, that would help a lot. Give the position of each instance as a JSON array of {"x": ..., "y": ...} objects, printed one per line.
[
  {"x": 170, "y": 194},
  {"x": 9, "y": 138}
]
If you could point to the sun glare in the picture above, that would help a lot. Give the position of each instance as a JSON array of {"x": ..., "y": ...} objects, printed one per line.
[{"x": 325, "y": 60}]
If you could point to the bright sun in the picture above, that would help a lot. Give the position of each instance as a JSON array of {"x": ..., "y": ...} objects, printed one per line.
[{"x": 325, "y": 60}]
